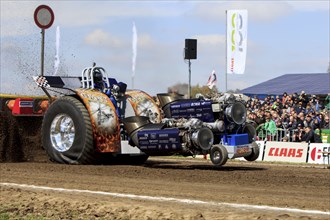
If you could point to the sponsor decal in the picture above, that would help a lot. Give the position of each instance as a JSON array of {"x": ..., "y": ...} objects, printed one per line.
[
  {"x": 319, "y": 153},
  {"x": 242, "y": 149},
  {"x": 285, "y": 152},
  {"x": 26, "y": 104},
  {"x": 316, "y": 154}
]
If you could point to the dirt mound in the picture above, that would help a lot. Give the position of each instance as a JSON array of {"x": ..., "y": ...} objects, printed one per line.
[{"x": 20, "y": 139}]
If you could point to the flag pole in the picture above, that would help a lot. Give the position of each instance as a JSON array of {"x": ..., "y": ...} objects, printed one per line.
[
  {"x": 226, "y": 60},
  {"x": 132, "y": 82}
]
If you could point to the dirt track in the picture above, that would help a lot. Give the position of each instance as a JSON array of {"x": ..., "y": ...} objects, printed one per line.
[{"x": 284, "y": 186}]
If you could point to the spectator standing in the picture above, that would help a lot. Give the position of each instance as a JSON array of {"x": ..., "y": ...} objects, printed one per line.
[
  {"x": 300, "y": 118},
  {"x": 327, "y": 99},
  {"x": 303, "y": 98},
  {"x": 287, "y": 107},
  {"x": 309, "y": 109},
  {"x": 298, "y": 107},
  {"x": 270, "y": 127},
  {"x": 284, "y": 98},
  {"x": 315, "y": 104},
  {"x": 298, "y": 134},
  {"x": 260, "y": 117},
  {"x": 292, "y": 123},
  {"x": 326, "y": 124},
  {"x": 311, "y": 136},
  {"x": 308, "y": 122},
  {"x": 316, "y": 124}
]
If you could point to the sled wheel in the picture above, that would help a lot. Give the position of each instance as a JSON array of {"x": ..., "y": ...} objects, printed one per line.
[
  {"x": 218, "y": 155},
  {"x": 67, "y": 132},
  {"x": 255, "y": 152}
]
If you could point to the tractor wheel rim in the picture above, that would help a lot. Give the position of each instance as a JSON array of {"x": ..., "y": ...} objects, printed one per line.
[
  {"x": 62, "y": 132},
  {"x": 216, "y": 155}
]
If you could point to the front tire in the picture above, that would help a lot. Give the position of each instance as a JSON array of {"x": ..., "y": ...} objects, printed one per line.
[
  {"x": 255, "y": 153},
  {"x": 67, "y": 134},
  {"x": 218, "y": 155}
]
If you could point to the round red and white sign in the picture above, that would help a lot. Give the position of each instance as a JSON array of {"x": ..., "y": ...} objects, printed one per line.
[{"x": 44, "y": 16}]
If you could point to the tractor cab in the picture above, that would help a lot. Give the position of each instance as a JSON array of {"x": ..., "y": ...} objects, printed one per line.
[{"x": 97, "y": 78}]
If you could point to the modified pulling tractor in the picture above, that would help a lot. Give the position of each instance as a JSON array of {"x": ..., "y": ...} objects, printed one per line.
[{"x": 96, "y": 119}]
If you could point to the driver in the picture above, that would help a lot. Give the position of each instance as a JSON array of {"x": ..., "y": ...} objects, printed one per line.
[{"x": 98, "y": 80}]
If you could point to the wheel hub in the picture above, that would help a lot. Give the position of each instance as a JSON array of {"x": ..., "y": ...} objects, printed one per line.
[
  {"x": 62, "y": 132},
  {"x": 216, "y": 155}
]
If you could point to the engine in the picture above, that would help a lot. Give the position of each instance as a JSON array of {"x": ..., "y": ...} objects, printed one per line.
[
  {"x": 186, "y": 137},
  {"x": 223, "y": 115}
]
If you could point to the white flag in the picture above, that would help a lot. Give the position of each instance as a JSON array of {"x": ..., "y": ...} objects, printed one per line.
[
  {"x": 57, "y": 55},
  {"x": 237, "y": 21},
  {"x": 134, "y": 49},
  {"x": 212, "y": 81}
]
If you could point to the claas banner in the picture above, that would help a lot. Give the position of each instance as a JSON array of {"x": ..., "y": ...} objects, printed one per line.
[{"x": 286, "y": 152}]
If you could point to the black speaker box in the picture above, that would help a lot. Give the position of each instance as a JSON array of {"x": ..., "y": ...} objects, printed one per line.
[{"x": 190, "y": 52}]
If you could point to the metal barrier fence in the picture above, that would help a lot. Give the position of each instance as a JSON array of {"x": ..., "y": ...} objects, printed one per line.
[
  {"x": 280, "y": 134},
  {"x": 288, "y": 135}
]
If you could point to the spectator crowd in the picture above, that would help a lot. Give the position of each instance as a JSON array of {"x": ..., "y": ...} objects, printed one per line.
[{"x": 292, "y": 117}]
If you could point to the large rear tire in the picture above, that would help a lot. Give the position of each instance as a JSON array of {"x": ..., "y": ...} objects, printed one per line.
[
  {"x": 255, "y": 153},
  {"x": 218, "y": 155},
  {"x": 67, "y": 134}
]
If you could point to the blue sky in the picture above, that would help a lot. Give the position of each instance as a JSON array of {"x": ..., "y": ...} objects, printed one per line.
[{"x": 283, "y": 37}]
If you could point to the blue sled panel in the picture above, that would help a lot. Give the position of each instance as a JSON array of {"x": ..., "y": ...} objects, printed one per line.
[
  {"x": 200, "y": 109},
  {"x": 165, "y": 140}
]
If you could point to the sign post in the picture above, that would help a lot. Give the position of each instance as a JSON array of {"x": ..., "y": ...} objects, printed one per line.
[{"x": 44, "y": 18}]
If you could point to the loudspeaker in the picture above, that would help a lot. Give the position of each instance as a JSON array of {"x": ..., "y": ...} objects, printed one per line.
[{"x": 190, "y": 50}]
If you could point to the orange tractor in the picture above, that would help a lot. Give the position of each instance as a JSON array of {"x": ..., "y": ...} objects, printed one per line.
[{"x": 95, "y": 119}]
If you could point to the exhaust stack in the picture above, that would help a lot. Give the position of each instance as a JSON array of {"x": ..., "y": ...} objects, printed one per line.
[{"x": 133, "y": 125}]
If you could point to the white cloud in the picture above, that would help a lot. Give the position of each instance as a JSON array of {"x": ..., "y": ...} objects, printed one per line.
[
  {"x": 145, "y": 41},
  {"x": 104, "y": 39},
  {"x": 211, "y": 39},
  {"x": 100, "y": 38}
]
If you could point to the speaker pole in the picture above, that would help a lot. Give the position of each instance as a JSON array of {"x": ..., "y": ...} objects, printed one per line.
[{"x": 189, "y": 85}]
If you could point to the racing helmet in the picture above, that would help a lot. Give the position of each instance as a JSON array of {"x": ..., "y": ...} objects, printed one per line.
[{"x": 97, "y": 76}]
